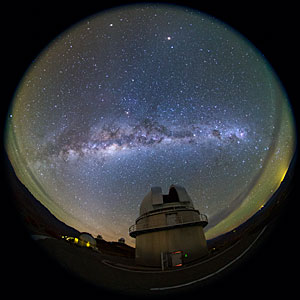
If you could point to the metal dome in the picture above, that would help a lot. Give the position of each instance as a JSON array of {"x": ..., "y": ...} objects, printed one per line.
[
  {"x": 155, "y": 199},
  {"x": 87, "y": 238}
]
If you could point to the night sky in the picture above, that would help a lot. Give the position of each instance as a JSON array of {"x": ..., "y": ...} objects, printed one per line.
[{"x": 150, "y": 95}]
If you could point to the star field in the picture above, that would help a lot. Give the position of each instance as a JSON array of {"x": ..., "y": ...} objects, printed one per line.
[{"x": 148, "y": 95}]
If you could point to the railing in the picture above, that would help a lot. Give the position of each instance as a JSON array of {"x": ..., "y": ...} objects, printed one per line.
[{"x": 201, "y": 218}]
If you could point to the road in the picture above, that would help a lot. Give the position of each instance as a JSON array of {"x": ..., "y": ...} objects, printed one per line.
[{"x": 117, "y": 275}]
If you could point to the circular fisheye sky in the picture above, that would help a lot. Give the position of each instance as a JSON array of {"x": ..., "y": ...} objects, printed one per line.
[{"x": 150, "y": 95}]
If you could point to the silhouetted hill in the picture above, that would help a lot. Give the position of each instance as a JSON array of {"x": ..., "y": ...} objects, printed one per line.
[
  {"x": 115, "y": 248},
  {"x": 270, "y": 214},
  {"x": 36, "y": 216}
]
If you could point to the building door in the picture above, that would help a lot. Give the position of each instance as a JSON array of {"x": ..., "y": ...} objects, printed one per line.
[
  {"x": 176, "y": 258},
  {"x": 171, "y": 259}
]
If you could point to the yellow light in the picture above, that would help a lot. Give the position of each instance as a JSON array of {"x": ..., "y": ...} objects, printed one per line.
[
  {"x": 283, "y": 175},
  {"x": 76, "y": 240},
  {"x": 88, "y": 244}
]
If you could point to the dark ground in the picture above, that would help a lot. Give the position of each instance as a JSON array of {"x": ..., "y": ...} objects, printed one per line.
[{"x": 113, "y": 274}]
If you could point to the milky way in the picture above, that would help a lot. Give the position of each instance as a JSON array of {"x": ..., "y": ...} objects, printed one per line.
[
  {"x": 148, "y": 95},
  {"x": 117, "y": 138}
]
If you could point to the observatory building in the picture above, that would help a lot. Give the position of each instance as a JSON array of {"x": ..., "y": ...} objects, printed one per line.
[
  {"x": 169, "y": 230},
  {"x": 87, "y": 240}
]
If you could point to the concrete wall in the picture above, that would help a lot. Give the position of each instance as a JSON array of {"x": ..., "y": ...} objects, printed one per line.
[{"x": 189, "y": 239}]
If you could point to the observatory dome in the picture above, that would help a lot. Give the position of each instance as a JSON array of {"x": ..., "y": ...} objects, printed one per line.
[
  {"x": 155, "y": 199},
  {"x": 87, "y": 238}
]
